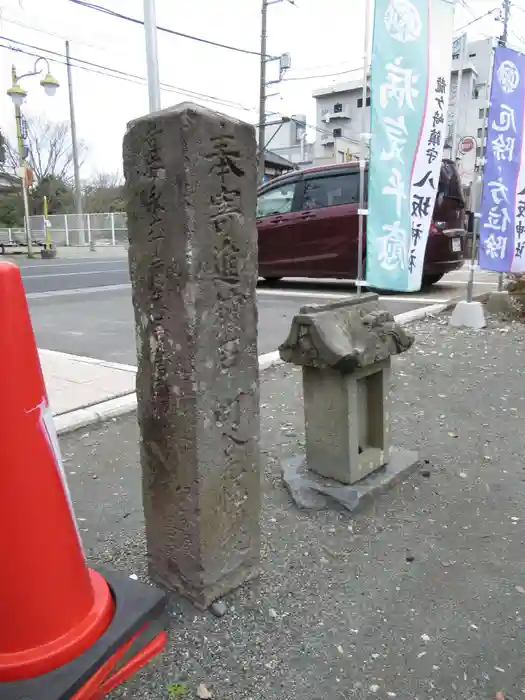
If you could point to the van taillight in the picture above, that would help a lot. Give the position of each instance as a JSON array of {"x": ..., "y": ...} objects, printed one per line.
[{"x": 437, "y": 227}]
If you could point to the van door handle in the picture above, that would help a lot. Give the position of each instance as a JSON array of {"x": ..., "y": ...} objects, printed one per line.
[{"x": 306, "y": 215}]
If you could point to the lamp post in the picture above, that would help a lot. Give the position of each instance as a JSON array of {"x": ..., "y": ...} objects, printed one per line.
[{"x": 18, "y": 95}]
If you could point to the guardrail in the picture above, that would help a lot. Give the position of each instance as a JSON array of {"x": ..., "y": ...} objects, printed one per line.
[
  {"x": 101, "y": 229},
  {"x": 16, "y": 237}
]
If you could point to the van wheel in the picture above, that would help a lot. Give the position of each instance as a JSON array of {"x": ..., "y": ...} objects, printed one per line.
[
  {"x": 272, "y": 280},
  {"x": 429, "y": 280}
]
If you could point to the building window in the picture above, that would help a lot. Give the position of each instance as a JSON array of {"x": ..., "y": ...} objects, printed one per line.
[
  {"x": 360, "y": 102},
  {"x": 480, "y": 133},
  {"x": 337, "y": 133},
  {"x": 475, "y": 93},
  {"x": 338, "y": 108},
  {"x": 479, "y": 151},
  {"x": 481, "y": 113}
]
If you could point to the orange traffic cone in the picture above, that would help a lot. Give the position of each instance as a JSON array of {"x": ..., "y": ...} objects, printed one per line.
[{"x": 58, "y": 618}]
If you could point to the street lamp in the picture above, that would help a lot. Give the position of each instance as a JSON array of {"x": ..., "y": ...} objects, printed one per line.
[{"x": 18, "y": 95}]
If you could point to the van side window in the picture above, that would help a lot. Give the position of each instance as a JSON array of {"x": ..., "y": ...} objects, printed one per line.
[
  {"x": 278, "y": 200},
  {"x": 332, "y": 190}
]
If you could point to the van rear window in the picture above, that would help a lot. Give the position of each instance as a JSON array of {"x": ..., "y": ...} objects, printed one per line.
[{"x": 450, "y": 182}]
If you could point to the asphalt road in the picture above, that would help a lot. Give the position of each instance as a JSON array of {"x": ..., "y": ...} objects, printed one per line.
[{"x": 83, "y": 306}]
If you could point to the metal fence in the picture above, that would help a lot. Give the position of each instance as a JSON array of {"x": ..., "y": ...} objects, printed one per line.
[{"x": 72, "y": 230}]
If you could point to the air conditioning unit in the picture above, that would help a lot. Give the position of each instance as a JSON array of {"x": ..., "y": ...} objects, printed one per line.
[
  {"x": 340, "y": 115},
  {"x": 327, "y": 139}
]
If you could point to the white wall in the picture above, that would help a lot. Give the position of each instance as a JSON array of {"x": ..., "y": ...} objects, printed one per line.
[{"x": 350, "y": 123}]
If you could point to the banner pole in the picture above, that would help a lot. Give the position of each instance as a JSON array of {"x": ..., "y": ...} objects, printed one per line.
[
  {"x": 459, "y": 85},
  {"x": 363, "y": 153},
  {"x": 477, "y": 212},
  {"x": 470, "y": 284}
]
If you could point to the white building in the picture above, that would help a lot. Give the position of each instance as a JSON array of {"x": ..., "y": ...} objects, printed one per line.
[
  {"x": 339, "y": 122},
  {"x": 339, "y": 110},
  {"x": 474, "y": 101},
  {"x": 288, "y": 139}
]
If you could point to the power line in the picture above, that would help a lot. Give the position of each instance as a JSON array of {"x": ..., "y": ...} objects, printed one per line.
[
  {"x": 48, "y": 33},
  {"x": 134, "y": 20},
  {"x": 467, "y": 7},
  {"x": 138, "y": 80},
  {"x": 104, "y": 49},
  {"x": 326, "y": 75},
  {"x": 323, "y": 66},
  {"x": 518, "y": 7},
  {"x": 100, "y": 69},
  {"x": 477, "y": 19},
  {"x": 99, "y": 48},
  {"x": 118, "y": 74}
]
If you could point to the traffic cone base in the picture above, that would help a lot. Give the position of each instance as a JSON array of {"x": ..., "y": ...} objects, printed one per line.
[
  {"x": 135, "y": 634},
  {"x": 35, "y": 662}
]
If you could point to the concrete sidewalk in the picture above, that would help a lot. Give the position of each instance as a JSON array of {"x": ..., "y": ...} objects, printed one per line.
[
  {"x": 75, "y": 382},
  {"x": 420, "y": 596},
  {"x": 103, "y": 251}
]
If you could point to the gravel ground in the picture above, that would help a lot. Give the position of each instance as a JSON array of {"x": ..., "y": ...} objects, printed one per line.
[{"x": 419, "y": 597}]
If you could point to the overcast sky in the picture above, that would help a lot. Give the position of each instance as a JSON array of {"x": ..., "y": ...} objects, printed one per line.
[{"x": 323, "y": 37}]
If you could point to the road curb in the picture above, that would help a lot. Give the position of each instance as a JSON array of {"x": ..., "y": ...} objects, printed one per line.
[
  {"x": 97, "y": 413},
  {"x": 113, "y": 408}
]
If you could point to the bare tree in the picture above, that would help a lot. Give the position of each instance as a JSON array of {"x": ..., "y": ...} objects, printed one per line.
[
  {"x": 104, "y": 193},
  {"x": 49, "y": 151}
]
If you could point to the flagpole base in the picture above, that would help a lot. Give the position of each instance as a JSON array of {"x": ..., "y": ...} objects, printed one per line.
[{"x": 468, "y": 314}]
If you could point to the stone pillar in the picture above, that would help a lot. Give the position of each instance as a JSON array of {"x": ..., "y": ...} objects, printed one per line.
[{"x": 191, "y": 192}]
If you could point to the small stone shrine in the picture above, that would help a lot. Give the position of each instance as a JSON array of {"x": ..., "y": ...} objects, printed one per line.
[
  {"x": 191, "y": 191},
  {"x": 345, "y": 351}
]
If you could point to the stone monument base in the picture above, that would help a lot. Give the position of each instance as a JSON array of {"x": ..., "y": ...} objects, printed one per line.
[
  {"x": 499, "y": 302},
  {"x": 309, "y": 490}
]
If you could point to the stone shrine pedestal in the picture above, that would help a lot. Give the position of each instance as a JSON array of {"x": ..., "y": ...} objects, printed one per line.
[{"x": 345, "y": 352}]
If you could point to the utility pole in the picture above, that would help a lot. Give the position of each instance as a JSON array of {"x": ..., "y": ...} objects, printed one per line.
[
  {"x": 74, "y": 147},
  {"x": 284, "y": 65},
  {"x": 152, "y": 60},
  {"x": 506, "y": 18},
  {"x": 262, "y": 93}
]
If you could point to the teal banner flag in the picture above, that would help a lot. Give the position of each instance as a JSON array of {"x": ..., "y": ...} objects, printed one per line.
[{"x": 410, "y": 82}]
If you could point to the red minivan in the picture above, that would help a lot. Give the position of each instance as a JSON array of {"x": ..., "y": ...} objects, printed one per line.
[{"x": 308, "y": 224}]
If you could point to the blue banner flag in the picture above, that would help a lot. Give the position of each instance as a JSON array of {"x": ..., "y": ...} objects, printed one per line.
[
  {"x": 409, "y": 99},
  {"x": 502, "y": 216}
]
